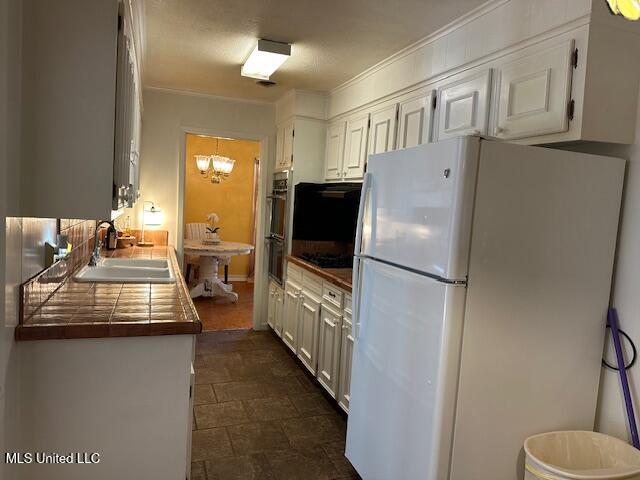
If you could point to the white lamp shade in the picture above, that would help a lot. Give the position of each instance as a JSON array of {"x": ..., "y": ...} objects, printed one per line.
[
  {"x": 202, "y": 162},
  {"x": 265, "y": 59},
  {"x": 222, "y": 164},
  {"x": 152, "y": 217}
]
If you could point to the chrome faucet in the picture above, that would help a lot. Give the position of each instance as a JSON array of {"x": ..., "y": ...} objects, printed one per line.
[{"x": 95, "y": 256}]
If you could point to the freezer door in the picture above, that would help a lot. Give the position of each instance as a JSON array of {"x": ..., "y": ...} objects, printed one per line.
[
  {"x": 417, "y": 205},
  {"x": 404, "y": 374}
]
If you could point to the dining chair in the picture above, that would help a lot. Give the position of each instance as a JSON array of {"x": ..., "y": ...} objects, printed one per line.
[{"x": 194, "y": 231}]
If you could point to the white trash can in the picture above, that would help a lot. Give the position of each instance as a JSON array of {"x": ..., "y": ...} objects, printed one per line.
[{"x": 580, "y": 456}]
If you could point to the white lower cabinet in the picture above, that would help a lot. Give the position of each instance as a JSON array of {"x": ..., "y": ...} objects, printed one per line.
[
  {"x": 271, "y": 306},
  {"x": 290, "y": 316},
  {"x": 275, "y": 308},
  {"x": 279, "y": 311},
  {"x": 309, "y": 318},
  {"x": 346, "y": 354},
  {"x": 313, "y": 318},
  {"x": 329, "y": 349}
]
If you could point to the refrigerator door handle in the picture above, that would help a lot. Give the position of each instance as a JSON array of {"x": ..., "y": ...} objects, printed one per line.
[
  {"x": 355, "y": 280},
  {"x": 364, "y": 195}
]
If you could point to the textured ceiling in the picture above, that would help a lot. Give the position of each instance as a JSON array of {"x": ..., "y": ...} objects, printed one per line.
[{"x": 199, "y": 45}]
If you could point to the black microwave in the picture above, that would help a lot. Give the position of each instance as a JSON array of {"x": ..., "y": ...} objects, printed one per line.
[{"x": 326, "y": 212}]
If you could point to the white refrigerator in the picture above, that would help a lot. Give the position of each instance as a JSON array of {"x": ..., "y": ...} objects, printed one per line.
[{"x": 481, "y": 283}]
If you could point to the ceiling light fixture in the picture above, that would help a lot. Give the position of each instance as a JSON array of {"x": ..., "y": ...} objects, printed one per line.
[
  {"x": 219, "y": 165},
  {"x": 265, "y": 59},
  {"x": 629, "y": 9}
]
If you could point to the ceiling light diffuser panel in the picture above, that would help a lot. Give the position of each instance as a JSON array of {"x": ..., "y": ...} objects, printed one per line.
[{"x": 265, "y": 59}]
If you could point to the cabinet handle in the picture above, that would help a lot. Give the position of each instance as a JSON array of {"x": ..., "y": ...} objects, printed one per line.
[
  {"x": 500, "y": 130},
  {"x": 332, "y": 295},
  {"x": 476, "y": 132}
]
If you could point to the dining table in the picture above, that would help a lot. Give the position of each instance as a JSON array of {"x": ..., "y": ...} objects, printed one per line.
[{"x": 212, "y": 255}]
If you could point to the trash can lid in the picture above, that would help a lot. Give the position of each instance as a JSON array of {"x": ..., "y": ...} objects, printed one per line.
[{"x": 583, "y": 455}]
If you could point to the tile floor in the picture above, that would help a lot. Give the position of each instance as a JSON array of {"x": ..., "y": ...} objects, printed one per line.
[
  {"x": 227, "y": 316},
  {"x": 258, "y": 415}
]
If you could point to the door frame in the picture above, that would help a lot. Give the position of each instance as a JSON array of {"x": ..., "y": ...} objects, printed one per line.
[{"x": 260, "y": 279}]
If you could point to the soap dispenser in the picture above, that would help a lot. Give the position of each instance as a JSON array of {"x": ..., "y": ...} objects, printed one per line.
[{"x": 112, "y": 238}]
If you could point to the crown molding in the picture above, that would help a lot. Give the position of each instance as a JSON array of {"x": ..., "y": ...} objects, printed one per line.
[
  {"x": 431, "y": 38},
  {"x": 191, "y": 93}
]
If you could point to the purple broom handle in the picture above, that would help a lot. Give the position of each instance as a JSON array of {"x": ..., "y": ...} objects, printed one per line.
[{"x": 612, "y": 319}]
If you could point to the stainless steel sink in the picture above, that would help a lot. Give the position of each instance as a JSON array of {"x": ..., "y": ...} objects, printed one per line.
[{"x": 121, "y": 270}]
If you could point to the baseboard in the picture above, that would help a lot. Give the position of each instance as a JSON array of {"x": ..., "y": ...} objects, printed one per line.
[{"x": 236, "y": 278}]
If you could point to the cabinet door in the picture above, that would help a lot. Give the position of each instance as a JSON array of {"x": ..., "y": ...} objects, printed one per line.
[
  {"x": 534, "y": 94},
  {"x": 355, "y": 147},
  {"x": 415, "y": 121},
  {"x": 279, "y": 311},
  {"x": 287, "y": 148},
  {"x": 309, "y": 319},
  {"x": 290, "y": 318},
  {"x": 463, "y": 106},
  {"x": 271, "y": 307},
  {"x": 279, "y": 148},
  {"x": 334, "y": 151},
  {"x": 346, "y": 352},
  {"x": 382, "y": 135},
  {"x": 329, "y": 350}
]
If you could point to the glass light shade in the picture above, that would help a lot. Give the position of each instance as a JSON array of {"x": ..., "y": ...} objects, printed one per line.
[
  {"x": 202, "y": 162},
  {"x": 265, "y": 59},
  {"x": 222, "y": 165},
  {"x": 152, "y": 217},
  {"x": 630, "y": 9}
]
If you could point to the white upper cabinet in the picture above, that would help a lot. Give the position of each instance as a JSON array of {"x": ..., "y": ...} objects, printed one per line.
[
  {"x": 355, "y": 147},
  {"x": 415, "y": 119},
  {"x": 80, "y": 109},
  {"x": 334, "y": 150},
  {"x": 382, "y": 133},
  {"x": 279, "y": 147},
  {"x": 284, "y": 146},
  {"x": 534, "y": 93},
  {"x": 463, "y": 106},
  {"x": 287, "y": 149}
]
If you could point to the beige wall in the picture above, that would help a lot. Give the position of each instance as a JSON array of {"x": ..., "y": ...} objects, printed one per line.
[
  {"x": 611, "y": 417},
  {"x": 166, "y": 118},
  {"x": 232, "y": 199}
]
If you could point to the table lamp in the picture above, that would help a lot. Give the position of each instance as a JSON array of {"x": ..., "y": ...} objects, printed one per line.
[{"x": 151, "y": 217}]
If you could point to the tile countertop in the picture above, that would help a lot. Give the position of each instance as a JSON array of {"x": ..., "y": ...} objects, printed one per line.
[
  {"x": 96, "y": 310},
  {"x": 340, "y": 277}
]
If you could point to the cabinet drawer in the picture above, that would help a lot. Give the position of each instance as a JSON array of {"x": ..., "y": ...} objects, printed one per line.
[
  {"x": 312, "y": 285},
  {"x": 294, "y": 274},
  {"x": 332, "y": 295}
]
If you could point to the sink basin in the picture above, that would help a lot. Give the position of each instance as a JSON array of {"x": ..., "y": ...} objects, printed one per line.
[
  {"x": 118, "y": 270},
  {"x": 134, "y": 262}
]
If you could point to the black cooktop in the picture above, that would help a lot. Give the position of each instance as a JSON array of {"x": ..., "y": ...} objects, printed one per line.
[{"x": 328, "y": 260}]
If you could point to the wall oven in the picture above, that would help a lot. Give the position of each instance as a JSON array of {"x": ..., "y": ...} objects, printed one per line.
[{"x": 276, "y": 239}]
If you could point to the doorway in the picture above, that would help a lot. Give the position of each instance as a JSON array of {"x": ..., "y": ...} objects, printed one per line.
[{"x": 219, "y": 212}]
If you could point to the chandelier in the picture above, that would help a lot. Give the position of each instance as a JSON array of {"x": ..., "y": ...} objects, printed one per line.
[{"x": 218, "y": 167}]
